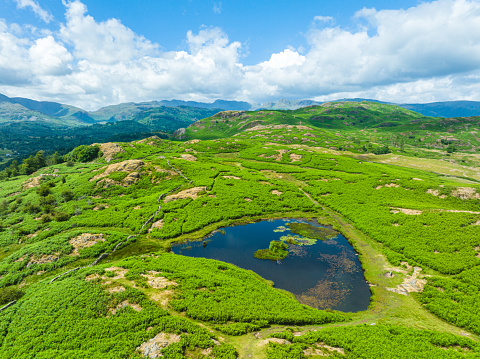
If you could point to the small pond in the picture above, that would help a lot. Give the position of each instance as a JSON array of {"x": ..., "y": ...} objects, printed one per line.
[{"x": 321, "y": 274}]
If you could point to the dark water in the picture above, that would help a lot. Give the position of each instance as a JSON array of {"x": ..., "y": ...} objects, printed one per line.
[{"x": 326, "y": 274}]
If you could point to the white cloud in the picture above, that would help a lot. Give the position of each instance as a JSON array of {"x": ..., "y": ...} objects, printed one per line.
[
  {"x": 326, "y": 19},
  {"x": 105, "y": 42},
  {"x": 425, "y": 53},
  {"x": 36, "y": 8},
  {"x": 217, "y": 8},
  {"x": 49, "y": 57}
]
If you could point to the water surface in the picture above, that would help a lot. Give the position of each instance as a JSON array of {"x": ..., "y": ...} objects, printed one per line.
[{"x": 326, "y": 274}]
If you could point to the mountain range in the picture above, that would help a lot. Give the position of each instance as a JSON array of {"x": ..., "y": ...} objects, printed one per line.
[{"x": 53, "y": 114}]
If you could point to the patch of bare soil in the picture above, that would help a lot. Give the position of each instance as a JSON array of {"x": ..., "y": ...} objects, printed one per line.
[
  {"x": 188, "y": 157},
  {"x": 417, "y": 179},
  {"x": 412, "y": 283},
  {"x": 388, "y": 185},
  {"x": 231, "y": 177},
  {"x": 85, "y": 240},
  {"x": 153, "y": 347},
  {"x": 295, "y": 158},
  {"x": 162, "y": 297},
  {"x": 465, "y": 193},
  {"x": 156, "y": 225},
  {"x": 36, "y": 181},
  {"x": 188, "y": 193},
  {"x": 410, "y": 212},
  {"x": 154, "y": 281},
  {"x": 192, "y": 142},
  {"x": 248, "y": 199},
  {"x": 100, "y": 207},
  {"x": 274, "y": 340},
  {"x": 109, "y": 150},
  {"x": 278, "y": 193},
  {"x": 117, "y": 289},
  {"x": 323, "y": 350},
  {"x": 265, "y": 183}
]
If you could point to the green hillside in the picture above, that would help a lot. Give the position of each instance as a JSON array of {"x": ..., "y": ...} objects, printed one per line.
[{"x": 85, "y": 246}]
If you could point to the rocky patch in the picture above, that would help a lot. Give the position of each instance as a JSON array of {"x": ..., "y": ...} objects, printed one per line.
[
  {"x": 152, "y": 348},
  {"x": 410, "y": 212},
  {"x": 188, "y": 193},
  {"x": 465, "y": 193},
  {"x": 109, "y": 150},
  {"x": 412, "y": 283},
  {"x": 85, "y": 240}
]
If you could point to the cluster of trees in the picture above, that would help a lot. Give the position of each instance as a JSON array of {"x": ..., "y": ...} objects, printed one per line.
[{"x": 30, "y": 164}]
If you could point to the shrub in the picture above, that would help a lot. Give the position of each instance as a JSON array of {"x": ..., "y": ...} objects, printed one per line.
[{"x": 9, "y": 294}]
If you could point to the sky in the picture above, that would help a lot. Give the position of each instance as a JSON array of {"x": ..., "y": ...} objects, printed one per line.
[{"x": 91, "y": 53}]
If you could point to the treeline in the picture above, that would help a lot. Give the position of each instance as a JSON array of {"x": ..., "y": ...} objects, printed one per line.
[{"x": 33, "y": 163}]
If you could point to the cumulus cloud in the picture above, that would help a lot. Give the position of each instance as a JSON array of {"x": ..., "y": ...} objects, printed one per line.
[
  {"x": 105, "y": 42},
  {"x": 36, "y": 8},
  {"x": 48, "y": 57},
  {"x": 425, "y": 53}
]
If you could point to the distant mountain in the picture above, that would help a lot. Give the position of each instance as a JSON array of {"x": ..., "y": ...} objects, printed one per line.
[
  {"x": 435, "y": 109},
  {"x": 127, "y": 111},
  {"x": 18, "y": 109},
  {"x": 446, "y": 109}
]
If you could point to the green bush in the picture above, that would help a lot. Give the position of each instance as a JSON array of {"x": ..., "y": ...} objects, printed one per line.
[{"x": 9, "y": 294}]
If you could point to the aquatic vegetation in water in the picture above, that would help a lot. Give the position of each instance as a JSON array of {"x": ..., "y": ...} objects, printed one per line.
[
  {"x": 297, "y": 240},
  {"x": 325, "y": 294},
  {"x": 276, "y": 251},
  {"x": 280, "y": 229},
  {"x": 310, "y": 231}
]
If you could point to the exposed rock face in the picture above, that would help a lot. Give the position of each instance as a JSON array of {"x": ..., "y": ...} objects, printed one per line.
[
  {"x": 188, "y": 193},
  {"x": 109, "y": 150},
  {"x": 36, "y": 181},
  {"x": 410, "y": 284},
  {"x": 85, "y": 240},
  {"x": 156, "y": 225},
  {"x": 149, "y": 140},
  {"x": 132, "y": 167},
  {"x": 47, "y": 258},
  {"x": 179, "y": 134},
  {"x": 465, "y": 193},
  {"x": 188, "y": 157},
  {"x": 152, "y": 348}
]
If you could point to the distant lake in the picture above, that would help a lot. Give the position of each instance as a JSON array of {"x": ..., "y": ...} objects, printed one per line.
[{"x": 323, "y": 275}]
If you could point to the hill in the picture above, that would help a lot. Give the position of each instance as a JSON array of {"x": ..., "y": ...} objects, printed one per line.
[{"x": 85, "y": 245}]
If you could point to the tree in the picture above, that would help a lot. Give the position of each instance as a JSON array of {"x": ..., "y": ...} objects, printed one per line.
[{"x": 451, "y": 148}]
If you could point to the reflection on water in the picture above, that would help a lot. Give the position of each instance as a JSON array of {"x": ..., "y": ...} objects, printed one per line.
[{"x": 321, "y": 274}]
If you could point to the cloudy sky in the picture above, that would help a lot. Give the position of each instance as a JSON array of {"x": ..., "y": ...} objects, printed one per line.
[{"x": 94, "y": 53}]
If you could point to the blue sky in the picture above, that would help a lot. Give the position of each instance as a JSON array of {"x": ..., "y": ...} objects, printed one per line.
[{"x": 94, "y": 53}]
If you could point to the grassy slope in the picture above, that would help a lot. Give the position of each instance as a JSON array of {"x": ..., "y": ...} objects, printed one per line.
[
  {"x": 364, "y": 121},
  {"x": 352, "y": 191}
]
